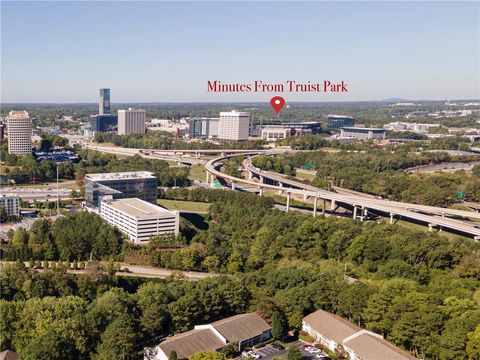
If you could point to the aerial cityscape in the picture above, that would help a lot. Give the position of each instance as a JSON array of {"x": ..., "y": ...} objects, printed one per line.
[{"x": 183, "y": 187}]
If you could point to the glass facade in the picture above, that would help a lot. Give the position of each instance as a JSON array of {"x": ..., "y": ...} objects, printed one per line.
[
  {"x": 104, "y": 104},
  {"x": 121, "y": 188},
  {"x": 103, "y": 123},
  {"x": 338, "y": 122}
]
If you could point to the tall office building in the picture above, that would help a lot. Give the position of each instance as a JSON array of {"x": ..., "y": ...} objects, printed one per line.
[
  {"x": 233, "y": 125},
  {"x": 203, "y": 128},
  {"x": 19, "y": 128},
  {"x": 104, "y": 103},
  {"x": 131, "y": 121}
]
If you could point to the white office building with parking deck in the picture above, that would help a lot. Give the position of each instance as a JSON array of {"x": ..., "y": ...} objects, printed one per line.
[{"x": 138, "y": 219}]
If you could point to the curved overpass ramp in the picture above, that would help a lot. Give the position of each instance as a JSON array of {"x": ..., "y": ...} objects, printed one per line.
[{"x": 361, "y": 205}]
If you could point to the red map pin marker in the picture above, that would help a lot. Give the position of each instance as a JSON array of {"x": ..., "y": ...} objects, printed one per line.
[{"x": 277, "y": 103}]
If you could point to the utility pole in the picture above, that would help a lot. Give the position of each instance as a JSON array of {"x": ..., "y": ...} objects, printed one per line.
[{"x": 58, "y": 203}]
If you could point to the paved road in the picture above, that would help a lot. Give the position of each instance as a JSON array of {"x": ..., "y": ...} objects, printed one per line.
[
  {"x": 427, "y": 215},
  {"x": 147, "y": 271},
  {"x": 30, "y": 193}
]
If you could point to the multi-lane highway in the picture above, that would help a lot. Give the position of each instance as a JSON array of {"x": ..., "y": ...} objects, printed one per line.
[
  {"x": 29, "y": 193},
  {"x": 360, "y": 205}
]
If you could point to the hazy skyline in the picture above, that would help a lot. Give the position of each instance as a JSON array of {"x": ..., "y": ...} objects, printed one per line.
[{"x": 166, "y": 52}]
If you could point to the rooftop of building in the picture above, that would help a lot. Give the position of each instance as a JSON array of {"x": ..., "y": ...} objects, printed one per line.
[
  {"x": 190, "y": 342},
  {"x": 120, "y": 176},
  {"x": 17, "y": 115},
  {"x": 331, "y": 325},
  {"x": 234, "y": 113},
  {"x": 137, "y": 208},
  {"x": 291, "y": 124},
  {"x": 335, "y": 116},
  {"x": 241, "y": 327},
  {"x": 370, "y": 346},
  {"x": 356, "y": 128}
]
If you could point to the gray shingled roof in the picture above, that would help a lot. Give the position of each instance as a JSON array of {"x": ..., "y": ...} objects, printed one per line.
[
  {"x": 370, "y": 347},
  {"x": 241, "y": 327},
  {"x": 331, "y": 326},
  {"x": 190, "y": 342}
]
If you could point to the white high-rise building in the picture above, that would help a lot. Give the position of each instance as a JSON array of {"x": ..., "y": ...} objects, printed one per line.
[
  {"x": 131, "y": 121},
  {"x": 19, "y": 128},
  {"x": 233, "y": 125}
]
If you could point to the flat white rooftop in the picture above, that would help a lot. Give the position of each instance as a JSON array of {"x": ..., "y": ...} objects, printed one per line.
[
  {"x": 138, "y": 208},
  {"x": 363, "y": 129},
  {"x": 121, "y": 175},
  {"x": 234, "y": 113}
]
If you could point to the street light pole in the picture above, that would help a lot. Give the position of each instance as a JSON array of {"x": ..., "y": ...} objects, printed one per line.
[{"x": 58, "y": 203}]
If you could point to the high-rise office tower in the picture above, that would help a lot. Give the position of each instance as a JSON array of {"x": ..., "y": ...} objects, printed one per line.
[
  {"x": 233, "y": 125},
  {"x": 104, "y": 103},
  {"x": 131, "y": 121},
  {"x": 19, "y": 128}
]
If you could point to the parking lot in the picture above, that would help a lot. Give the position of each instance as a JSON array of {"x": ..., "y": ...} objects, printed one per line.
[{"x": 268, "y": 352}]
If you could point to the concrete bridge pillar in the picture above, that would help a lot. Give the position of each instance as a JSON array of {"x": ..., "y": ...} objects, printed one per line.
[
  {"x": 261, "y": 191},
  {"x": 363, "y": 214},
  {"x": 324, "y": 206},
  {"x": 261, "y": 179},
  {"x": 250, "y": 175},
  {"x": 332, "y": 205},
  {"x": 280, "y": 184},
  {"x": 288, "y": 201},
  {"x": 430, "y": 227},
  {"x": 305, "y": 196},
  {"x": 354, "y": 211},
  {"x": 233, "y": 185},
  {"x": 391, "y": 218},
  {"x": 208, "y": 177},
  {"x": 315, "y": 206}
]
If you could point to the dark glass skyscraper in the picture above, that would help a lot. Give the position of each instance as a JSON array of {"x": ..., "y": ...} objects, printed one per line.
[{"x": 104, "y": 103}]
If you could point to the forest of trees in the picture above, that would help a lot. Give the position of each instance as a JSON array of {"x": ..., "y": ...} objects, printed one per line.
[
  {"x": 167, "y": 141},
  {"x": 418, "y": 289},
  {"x": 27, "y": 169},
  {"x": 382, "y": 173}
]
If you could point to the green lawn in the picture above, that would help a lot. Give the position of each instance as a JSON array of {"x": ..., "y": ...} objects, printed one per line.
[
  {"x": 304, "y": 176},
  {"x": 197, "y": 172},
  {"x": 181, "y": 205}
]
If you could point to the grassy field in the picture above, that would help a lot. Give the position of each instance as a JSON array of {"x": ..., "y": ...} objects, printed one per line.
[
  {"x": 181, "y": 205},
  {"x": 304, "y": 176},
  {"x": 197, "y": 172},
  {"x": 410, "y": 225}
]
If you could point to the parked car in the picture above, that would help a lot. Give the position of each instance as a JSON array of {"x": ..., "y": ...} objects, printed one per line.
[{"x": 254, "y": 355}]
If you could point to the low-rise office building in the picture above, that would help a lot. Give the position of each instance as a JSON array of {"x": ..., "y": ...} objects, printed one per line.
[
  {"x": 336, "y": 122},
  {"x": 341, "y": 336},
  {"x": 243, "y": 330},
  {"x": 283, "y": 130},
  {"x": 121, "y": 185},
  {"x": 138, "y": 219},
  {"x": 103, "y": 123},
  {"x": 11, "y": 203},
  {"x": 363, "y": 133}
]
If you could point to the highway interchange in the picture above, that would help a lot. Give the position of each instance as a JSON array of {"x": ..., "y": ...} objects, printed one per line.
[{"x": 361, "y": 206}]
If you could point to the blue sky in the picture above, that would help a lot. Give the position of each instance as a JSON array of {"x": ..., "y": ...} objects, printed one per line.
[{"x": 166, "y": 51}]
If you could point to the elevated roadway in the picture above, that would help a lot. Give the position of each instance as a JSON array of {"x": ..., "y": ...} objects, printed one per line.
[{"x": 360, "y": 205}]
